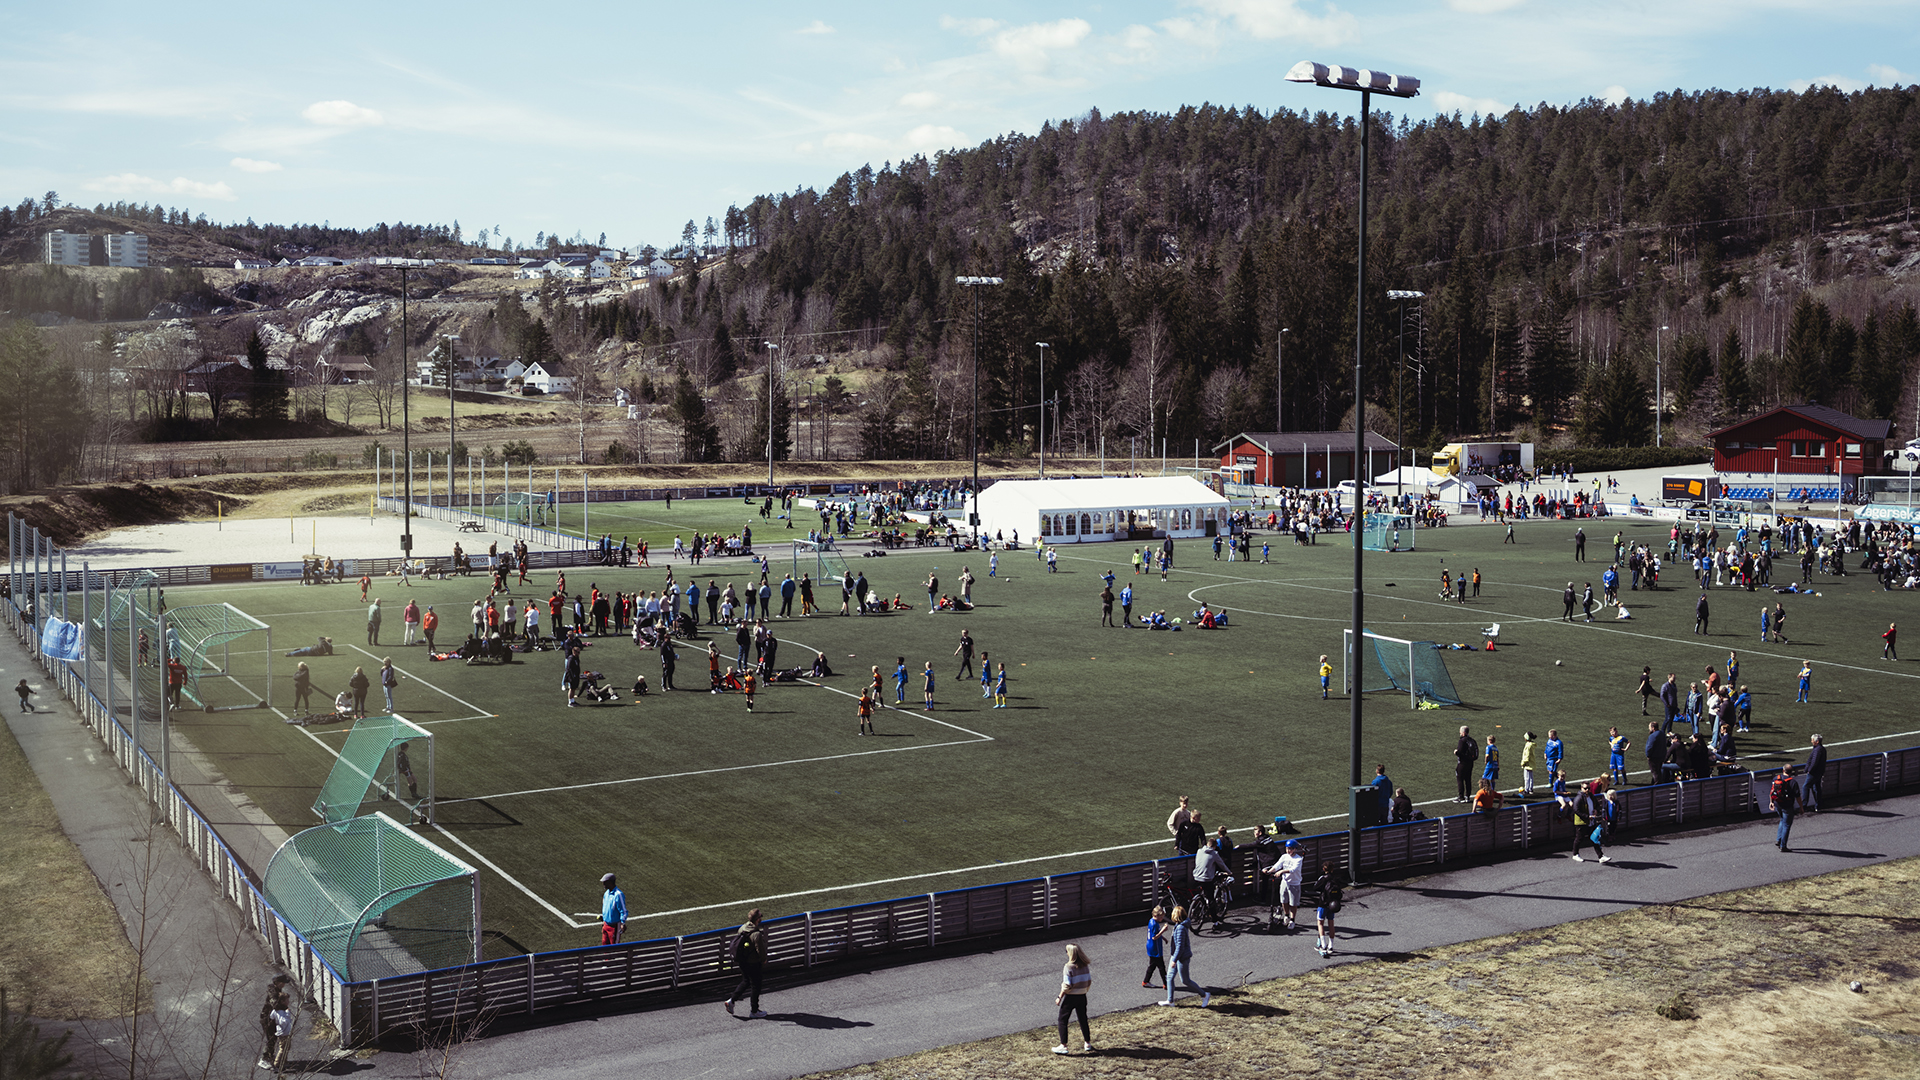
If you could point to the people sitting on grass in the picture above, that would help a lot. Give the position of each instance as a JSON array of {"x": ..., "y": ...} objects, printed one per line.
[
  {"x": 593, "y": 688},
  {"x": 821, "y": 669},
  {"x": 323, "y": 647}
]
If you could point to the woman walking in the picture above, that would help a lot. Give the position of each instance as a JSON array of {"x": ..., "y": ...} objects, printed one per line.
[
  {"x": 1076, "y": 978},
  {"x": 1180, "y": 942},
  {"x": 1330, "y": 888},
  {"x": 1646, "y": 689},
  {"x": 1156, "y": 955}
]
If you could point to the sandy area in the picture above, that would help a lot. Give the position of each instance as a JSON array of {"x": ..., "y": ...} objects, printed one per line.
[{"x": 199, "y": 543}]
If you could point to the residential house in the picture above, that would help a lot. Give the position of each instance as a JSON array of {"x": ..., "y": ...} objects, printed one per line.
[{"x": 550, "y": 377}]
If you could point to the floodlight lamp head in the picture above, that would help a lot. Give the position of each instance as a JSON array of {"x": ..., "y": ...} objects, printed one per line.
[
  {"x": 977, "y": 281},
  {"x": 1346, "y": 78},
  {"x": 1405, "y": 294}
]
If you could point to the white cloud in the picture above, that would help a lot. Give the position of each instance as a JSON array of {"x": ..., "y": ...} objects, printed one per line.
[
  {"x": 924, "y": 139},
  {"x": 1887, "y": 76},
  {"x": 1484, "y": 7},
  {"x": 919, "y": 100},
  {"x": 1615, "y": 94},
  {"x": 969, "y": 27},
  {"x": 928, "y": 137},
  {"x": 135, "y": 184},
  {"x": 250, "y": 165},
  {"x": 1446, "y": 101},
  {"x": 1268, "y": 19},
  {"x": 341, "y": 114},
  {"x": 816, "y": 27},
  {"x": 1032, "y": 46}
]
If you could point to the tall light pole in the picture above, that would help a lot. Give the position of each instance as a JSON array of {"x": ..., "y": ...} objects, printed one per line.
[
  {"x": 451, "y": 365},
  {"x": 1279, "y": 385},
  {"x": 973, "y": 515},
  {"x": 1659, "y": 399},
  {"x": 772, "y": 351},
  {"x": 1399, "y": 383},
  {"x": 1367, "y": 83},
  {"x": 406, "y": 422},
  {"x": 1043, "y": 407}
]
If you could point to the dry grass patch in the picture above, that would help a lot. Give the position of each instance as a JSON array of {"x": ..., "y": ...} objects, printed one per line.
[
  {"x": 63, "y": 949},
  {"x": 1765, "y": 971}
]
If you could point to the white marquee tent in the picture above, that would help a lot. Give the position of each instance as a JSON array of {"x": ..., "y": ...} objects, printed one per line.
[
  {"x": 1107, "y": 508},
  {"x": 1418, "y": 482}
]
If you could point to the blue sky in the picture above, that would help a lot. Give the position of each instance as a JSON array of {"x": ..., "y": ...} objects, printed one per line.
[{"x": 630, "y": 118}]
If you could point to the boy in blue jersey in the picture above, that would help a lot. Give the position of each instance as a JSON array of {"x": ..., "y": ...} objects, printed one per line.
[
  {"x": 1553, "y": 751},
  {"x": 1617, "y": 756},
  {"x": 1744, "y": 703},
  {"x": 1490, "y": 769},
  {"x": 900, "y": 682},
  {"x": 1000, "y": 689}
]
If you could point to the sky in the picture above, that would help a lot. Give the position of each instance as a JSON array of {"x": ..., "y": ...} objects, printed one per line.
[{"x": 629, "y": 119}]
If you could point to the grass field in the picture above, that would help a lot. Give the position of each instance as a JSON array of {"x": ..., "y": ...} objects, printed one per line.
[{"x": 702, "y": 808}]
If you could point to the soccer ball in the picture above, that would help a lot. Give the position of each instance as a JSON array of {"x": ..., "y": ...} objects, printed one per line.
[{"x": 1557, "y": 663}]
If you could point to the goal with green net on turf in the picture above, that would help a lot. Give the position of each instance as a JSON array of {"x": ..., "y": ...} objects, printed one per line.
[
  {"x": 386, "y": 759},
  {"x": 1413, "y": 668},
  {"x": 1388, "y": 532},
  {"x": 376, "y": 900},
  {"x": 228, "y": 653},
  {"x": 523, "y": 507},
  {"x": 821, "y": 559}
]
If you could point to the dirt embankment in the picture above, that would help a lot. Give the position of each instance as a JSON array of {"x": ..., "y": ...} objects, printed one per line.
[{"x": 70, "y": 515}]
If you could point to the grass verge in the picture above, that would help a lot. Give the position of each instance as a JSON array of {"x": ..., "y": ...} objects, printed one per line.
[
  {"x": 1763, "y": 972},
  {"x": 62, "y": 947}
]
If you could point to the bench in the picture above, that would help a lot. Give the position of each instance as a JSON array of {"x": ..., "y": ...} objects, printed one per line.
[{"x": 472, "y": 527}]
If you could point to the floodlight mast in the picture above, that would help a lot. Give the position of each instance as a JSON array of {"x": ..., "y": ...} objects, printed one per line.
[
  {"x": 1367, "y": 82},
  {"x": 973, "y": 516},
  {"x": 1399, "y": 389}
]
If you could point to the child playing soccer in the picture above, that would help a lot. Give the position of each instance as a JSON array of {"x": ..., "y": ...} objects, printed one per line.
[
  {"x": 866, "y": 712},
  {"x": 1000, "y": 689},
  {"x": 930, "y": 678},
  {"x": 1326, "y": 676},
  {"x": 1491, "y": 769},
  {"x": 1617, "y": 755},
  {"x": 986, "y": 676},
  {"x": 1744, "y": 703},
  {"x": 1526, "y": 766},
  {"x": 900, "y": 683}
]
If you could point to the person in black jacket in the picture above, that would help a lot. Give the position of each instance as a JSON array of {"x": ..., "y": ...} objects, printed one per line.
[
  {"x": 1465, "y": 753},
  {"x": 1816, "y": 769},
  {"x": 1190, "y": 835}
]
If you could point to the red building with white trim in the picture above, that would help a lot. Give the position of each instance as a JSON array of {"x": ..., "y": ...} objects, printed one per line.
[
  {"x": 1310, "y": 459},
  {"x": 1799, "y": 440}
]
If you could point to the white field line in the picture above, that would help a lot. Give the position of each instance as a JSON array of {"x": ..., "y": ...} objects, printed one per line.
[{"x": 479, "y": 712}]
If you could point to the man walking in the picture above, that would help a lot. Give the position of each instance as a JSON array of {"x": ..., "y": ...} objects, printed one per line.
[
  {"x": 613, "y": 912},
  {"x": 965, "y": 653},
  {"x": 1579, "y": 545},
  {"x": 1816, "y": 770},
  {"x": 667, "y": 662},
  {"x": 1106, "y": 605},
  {"x": 1465, "y": 753},
  {"x": 1786, "y": 803},
  {"x": 373, "y": 622},
  {"x": 1700, "y": 613},
  {"x": 750, "y": 952},
  {"x": 1567, "y": 600},
  {"x": 1888, "y": 653}
]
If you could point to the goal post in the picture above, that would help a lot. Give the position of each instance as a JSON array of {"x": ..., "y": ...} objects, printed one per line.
[
  {"x": 822, "y": 560},
  {"x": 369, "y": 767},
  {"x": 1414, "y": 668},
  {"x": 1389, "y": 532}
]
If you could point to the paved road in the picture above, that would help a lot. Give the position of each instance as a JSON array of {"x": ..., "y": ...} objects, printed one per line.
[{"x": 862, "y": 1016}]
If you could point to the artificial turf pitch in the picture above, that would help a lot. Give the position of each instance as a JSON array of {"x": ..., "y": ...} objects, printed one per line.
[{"x": 702, "y": 808}]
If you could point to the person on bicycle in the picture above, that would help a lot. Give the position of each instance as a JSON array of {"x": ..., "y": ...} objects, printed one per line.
[{"x": 1210, "y": 878}]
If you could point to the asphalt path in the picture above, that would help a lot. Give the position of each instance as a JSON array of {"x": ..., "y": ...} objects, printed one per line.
[{"x": 849, "y": 1015}]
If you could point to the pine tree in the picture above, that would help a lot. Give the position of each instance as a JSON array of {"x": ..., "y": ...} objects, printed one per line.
[
  {"x": 267, "y": 395},
  {"x": 1550, "y": 368},
  {"x": 1736, "y": 386},
  {"x": 699, "y": 439},
  {"x": 1806, "y": 372}
]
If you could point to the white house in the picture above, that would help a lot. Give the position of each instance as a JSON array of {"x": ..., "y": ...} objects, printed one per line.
[
  {"x": 1105, "y": 508},
  {"x": 549, "y": 377},
  {"x": 251, "y": 264}
]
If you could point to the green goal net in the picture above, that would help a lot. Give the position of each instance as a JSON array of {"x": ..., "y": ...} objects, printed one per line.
[
  {"x": 1414, "y": 668},
  {"x": 823, "y": 560},
  {"x": 375, "y": 900},
  {"x": 523, "y": 507},
  {"x": 373, "y": 766},
  {"x": 1388, "y": 532}
]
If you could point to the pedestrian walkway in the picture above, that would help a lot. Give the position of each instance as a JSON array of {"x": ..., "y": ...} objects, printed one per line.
[{"x": 848, "y": 1017}]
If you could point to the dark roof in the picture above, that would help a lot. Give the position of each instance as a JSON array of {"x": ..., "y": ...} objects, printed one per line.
[
  {"x": 1826, "y": 417},
  {"x": 1292, "y": 442}
]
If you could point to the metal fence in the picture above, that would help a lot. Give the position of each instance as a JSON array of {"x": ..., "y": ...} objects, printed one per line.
[{"x": 104, "y": 683}]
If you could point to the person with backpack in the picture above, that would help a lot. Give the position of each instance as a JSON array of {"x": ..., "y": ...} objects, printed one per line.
[
  {"x": 1331, "y": 886},
  {"x": 749, "y": 950},
  {"x": 1786, "y": 803}
]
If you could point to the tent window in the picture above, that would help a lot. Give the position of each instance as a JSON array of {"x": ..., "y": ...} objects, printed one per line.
[
  {"x": 1085, "y": 525},
  {"x": 1070, "y": 530},
  {"x": 1186, "y": 519},
  {"x": 1046, "y": 525}
]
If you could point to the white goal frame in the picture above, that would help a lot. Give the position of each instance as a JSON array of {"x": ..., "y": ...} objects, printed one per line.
[{"x": 1348, "y": 661}]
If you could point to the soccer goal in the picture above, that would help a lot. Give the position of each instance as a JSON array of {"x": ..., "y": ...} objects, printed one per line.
[
  {"x": 1388, "y": 532},
  {"x": 523, "y": 507},
  {"x": 373, "y": 766},
  {"x": 822, "y": 560},
  {"x": 228, "y": 655},
  {"x": 1413, "y": 668}
]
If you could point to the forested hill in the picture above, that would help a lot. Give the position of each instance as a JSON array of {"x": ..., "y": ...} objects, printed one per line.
[{"x": 1159, "y": 254}]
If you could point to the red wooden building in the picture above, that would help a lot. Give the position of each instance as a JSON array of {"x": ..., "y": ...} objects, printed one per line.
[
  {"x": 1803, "y": 440},
  {"x": 1311, "y": 459}
]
